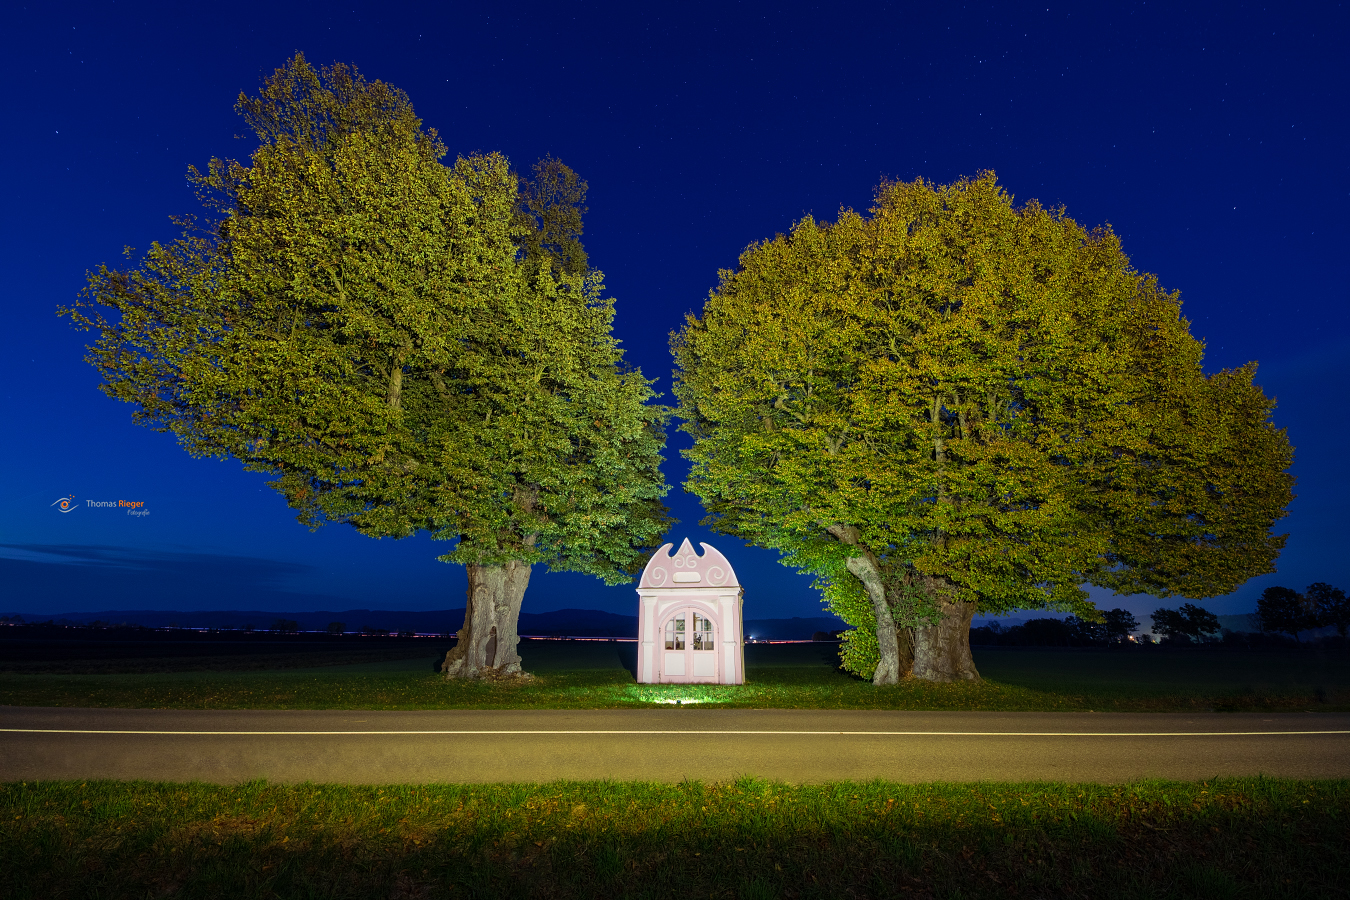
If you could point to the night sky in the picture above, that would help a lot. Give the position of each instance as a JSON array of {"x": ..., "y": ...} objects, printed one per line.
[{"x": 1213, "y": 139}]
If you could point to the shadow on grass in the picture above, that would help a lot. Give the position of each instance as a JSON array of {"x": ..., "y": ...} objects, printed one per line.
[{"x": 1225, "y": 838}]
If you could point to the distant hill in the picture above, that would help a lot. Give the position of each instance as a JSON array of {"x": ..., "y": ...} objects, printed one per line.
[
  {"x": 1240, "y": 622},
  {"x": 562, "y": 622},
  {"x": 433, "y": 621},
  {"x": 1002, "y": 623},
  {"x": 794, "y": 629},
  {"x": 579, "y": 622},
  {"x": 587, "y": 622},
  {"x": 559, "y": 623}
]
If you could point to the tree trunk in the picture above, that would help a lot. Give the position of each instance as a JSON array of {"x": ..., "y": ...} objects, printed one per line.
[
  {"x": 942, "y": 651},
  {"x": 487, "y": 642},
  {"x": 865, "y": 568},
  {"x": 904, "y": 645},
  {"x": 888, "y": 640}
]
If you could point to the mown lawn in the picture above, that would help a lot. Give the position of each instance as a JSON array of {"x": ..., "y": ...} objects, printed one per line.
[
  {"x": 1259, "y": 838},
  {"x": 596, "y": 675}
]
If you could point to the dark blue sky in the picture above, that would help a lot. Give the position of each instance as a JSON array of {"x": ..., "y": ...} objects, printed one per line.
[{"x": 1212, "y": 138}]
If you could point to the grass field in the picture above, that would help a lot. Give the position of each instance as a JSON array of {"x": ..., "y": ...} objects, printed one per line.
[
  {"x": 750, "y": 839},
  {"x": 597, "y": 675}
]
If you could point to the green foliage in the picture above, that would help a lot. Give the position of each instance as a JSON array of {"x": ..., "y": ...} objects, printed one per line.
[
  {"x": 404, "y": 345},
  {"x": 858, "y": 651},
  {"x": 548, "y": 217},
  {"x": 844, "y": 595},
  {"x": 999, "y": 403}
]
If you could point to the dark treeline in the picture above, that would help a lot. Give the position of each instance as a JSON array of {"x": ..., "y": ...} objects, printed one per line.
[
  {"x": 1117, "y": 628},
  {"x": 1074, "y": 632},
  {"x": 1285, "y": 611},
  {"x": 1286, "y": 618}
]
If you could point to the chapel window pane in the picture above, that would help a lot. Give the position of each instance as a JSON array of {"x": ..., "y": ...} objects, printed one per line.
[
  {"x": 703, "y": 633},
  {"x": 675, "y": 634}
]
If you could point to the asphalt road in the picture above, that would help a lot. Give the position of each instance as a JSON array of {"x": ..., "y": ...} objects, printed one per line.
[{"x": 662, "y": 745}]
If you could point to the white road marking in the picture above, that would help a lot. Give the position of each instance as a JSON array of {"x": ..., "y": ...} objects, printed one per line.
[{"x": 690, "y": 731}]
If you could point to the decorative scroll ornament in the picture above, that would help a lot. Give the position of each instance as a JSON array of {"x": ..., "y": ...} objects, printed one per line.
[{"x": 689, "y": 568}]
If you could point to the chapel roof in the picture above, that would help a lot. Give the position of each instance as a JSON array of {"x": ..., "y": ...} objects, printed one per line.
[{"x": 685, "y": 568}]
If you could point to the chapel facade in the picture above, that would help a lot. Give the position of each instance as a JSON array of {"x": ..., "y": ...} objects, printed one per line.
[{"x": 689, "y": 619}]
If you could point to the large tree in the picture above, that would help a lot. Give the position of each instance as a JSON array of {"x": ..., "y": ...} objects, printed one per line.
[
  {"x": 405, "y": 346},
  {"x": 956, "y": 404}
]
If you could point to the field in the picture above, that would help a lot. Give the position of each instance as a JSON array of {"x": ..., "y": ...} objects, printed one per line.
[
  {"x": 399, "y": 674},
  {"x": 747, "y": 839}
]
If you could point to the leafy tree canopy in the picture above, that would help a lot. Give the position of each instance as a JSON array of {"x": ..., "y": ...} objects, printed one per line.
[
  {"x": 955, "y": 404},
  {"x": 404, "y": 345}
]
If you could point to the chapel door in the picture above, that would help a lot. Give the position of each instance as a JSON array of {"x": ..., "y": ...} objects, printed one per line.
[{"x": 688, "y": 651}]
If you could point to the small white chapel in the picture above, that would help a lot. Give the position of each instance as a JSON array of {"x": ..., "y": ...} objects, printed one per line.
[{"x": 689, "y": 619}]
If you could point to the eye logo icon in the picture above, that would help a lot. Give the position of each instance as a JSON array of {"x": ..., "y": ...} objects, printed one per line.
[{"x": 65, "y": 504}]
